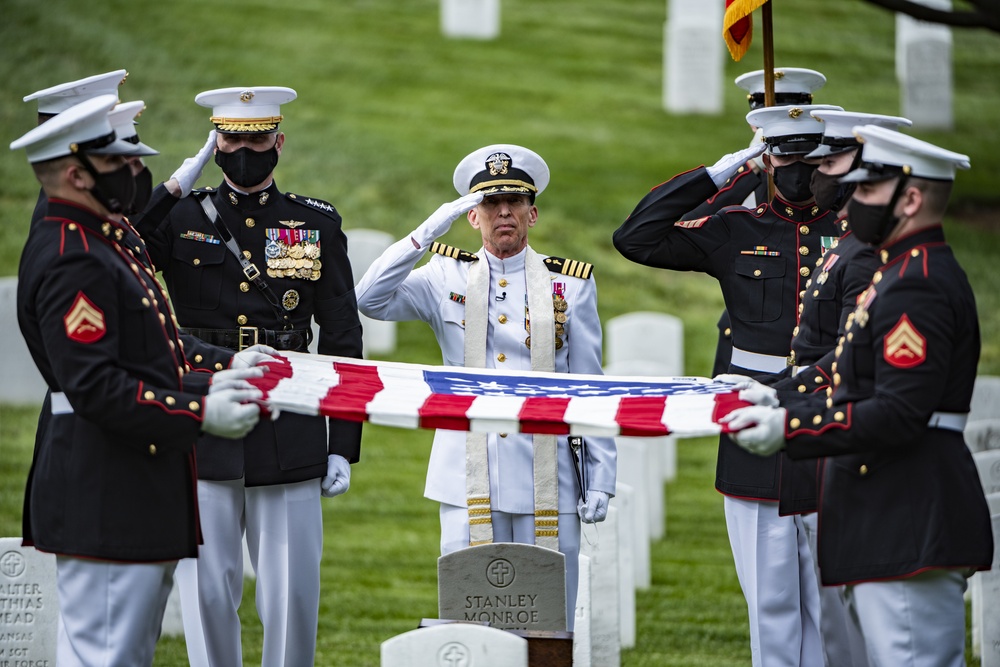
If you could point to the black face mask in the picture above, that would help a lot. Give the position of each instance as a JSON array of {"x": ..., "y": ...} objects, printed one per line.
[
  {"x": 792, "y": 181},
  {"x": 114, "y": 189},
  {"x": 828, "y": 192},
  {"x": 871, "y": 223},
  {"x": 246, "y": 167},
  {"x": 143, "y": 191}
]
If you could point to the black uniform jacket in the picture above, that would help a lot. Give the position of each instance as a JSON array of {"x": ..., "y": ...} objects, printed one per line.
[
  {"x": 211, "y": 292},
  {"x": 734, "y": 192},
  {"x": 899, "y": 497},
  {"x": 761, "y": 257},
  {"x": 112, "y": 478},
  {"x": 843, "y": 272}
]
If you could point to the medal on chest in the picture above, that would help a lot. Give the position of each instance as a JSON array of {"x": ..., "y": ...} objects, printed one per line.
[{"x": 293, "y": 253}]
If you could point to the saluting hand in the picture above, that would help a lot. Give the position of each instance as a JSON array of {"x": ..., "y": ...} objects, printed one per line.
[
  {"x": 182, "y": 181},
  {"x": 439, "y": 222},
  {"x": 723, "y": 170}
]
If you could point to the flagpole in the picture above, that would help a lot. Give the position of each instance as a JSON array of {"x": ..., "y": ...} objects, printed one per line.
[{"x": 766, "y": 19}]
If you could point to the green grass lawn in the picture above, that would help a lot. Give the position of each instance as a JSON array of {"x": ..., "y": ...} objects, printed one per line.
[{"x": 386, "y": 110}]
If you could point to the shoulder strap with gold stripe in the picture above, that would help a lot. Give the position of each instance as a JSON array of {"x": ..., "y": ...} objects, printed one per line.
[
  {"x": 569, "y": 267},
  {"x": 453, "y": 252}
]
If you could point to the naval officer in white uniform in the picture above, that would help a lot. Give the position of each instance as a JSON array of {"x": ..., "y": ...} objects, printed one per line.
[{"x": 505, "y": 307}]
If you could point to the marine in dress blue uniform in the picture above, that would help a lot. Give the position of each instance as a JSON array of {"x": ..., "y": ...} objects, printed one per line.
[
  {"x": 125, "y": 407},
  {"x": 506, "y": 178},
  {"x": 903, "y": 518},
  {"x": 748, "y": 186},
  {"x": 294, "y": 244},
  {"x": 762, "y": 259}
]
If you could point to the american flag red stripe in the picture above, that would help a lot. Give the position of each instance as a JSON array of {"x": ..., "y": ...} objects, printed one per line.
[{"x": 489, "y": 400}]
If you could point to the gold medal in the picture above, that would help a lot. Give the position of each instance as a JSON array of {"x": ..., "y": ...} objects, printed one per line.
[
  {"x": 559, "y": 304},
  {"x": 559, "y": 343},
  {"x": 560, "y": 317},
  {"x": 314, "y": 275},
  {"x": 527, "y": 342},
  {"x": 317, "y": 265},
  {"x": 290, "y": 299},
  {"x": 299, "y": 263},
  {"x": 307, "y": 263}
]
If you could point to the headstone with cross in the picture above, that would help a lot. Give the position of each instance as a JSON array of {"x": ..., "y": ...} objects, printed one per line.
[
  {"x": 508, "y": 585},
  {"x": 29, "y": 605},
  {"x": 455, "y": 645}
]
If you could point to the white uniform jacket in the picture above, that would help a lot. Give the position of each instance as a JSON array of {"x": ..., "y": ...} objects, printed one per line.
[{"x": 435, "y": 293}]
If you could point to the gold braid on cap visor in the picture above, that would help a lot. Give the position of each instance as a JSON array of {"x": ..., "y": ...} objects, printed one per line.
[
  {"x": 498, "y": 186},
  {"x": 265, "y": 124}
]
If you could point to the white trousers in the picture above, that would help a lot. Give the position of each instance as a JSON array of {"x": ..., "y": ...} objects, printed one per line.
[
  {"x": 284, "y": 529},
  {"x": 519, "y": 528},
  {"x": 110, "y": 614},
  {"x": 775, "y": 569},
  {"x": 843, "y": 645},
  {"x": 914, "y": 622}
]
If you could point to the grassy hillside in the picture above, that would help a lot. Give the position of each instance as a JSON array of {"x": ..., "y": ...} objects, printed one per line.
[{"x": 386, "y": 109}]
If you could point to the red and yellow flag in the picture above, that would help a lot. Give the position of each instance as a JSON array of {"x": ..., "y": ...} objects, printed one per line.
[{"x": 737, "y": 25}]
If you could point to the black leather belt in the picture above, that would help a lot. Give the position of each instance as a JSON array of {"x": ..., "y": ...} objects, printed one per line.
[{"x": 244, "y": 337}]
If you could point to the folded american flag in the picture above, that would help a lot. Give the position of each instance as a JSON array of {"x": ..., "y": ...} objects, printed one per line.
[{"x": 493, "y": 401}]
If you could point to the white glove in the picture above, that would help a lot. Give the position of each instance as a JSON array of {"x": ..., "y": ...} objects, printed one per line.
[
  {"x": 233, "y": 378},
  {"x": 190, "y": 170},
  {"x": 758, "y": 138},
  {"x": 253, "y": 356},
  {"x": 338, "y": 476},
  {"x": 723, "y": 170},
  {"x": 751, "y": 390},
  {"x": 759, "y": 430},
  {"x": 227, "y": 415},
  {"x": 439, "y": 222},
  {"x": 595, "y": 509}
]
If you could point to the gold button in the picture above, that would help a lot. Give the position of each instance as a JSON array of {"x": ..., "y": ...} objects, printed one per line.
[
  {"x": 840, "y": 350},
  {"x": 804, "y": 271},
  {"x": 829, "y": 391},
  {"x": 138, "y": 249},
  {"x": 756, "y": 272},
  {"x": 818, "y": 379},
  {"x": 809, "y": 283},
  {"x": 152, "y": 450},
  {"x": 819, "y": 260},
  {"x": 502, "y": 319},
  {"x": 241, "y": 320},
  {"x": 794, "y": 422},
  {"x": 815, "y": 293},
  {"x": 839, "y": 416},
  {"x": 163, "y": 318},
  {"x": 503, "y": 282},
  {"x": 728, "y": 332},
  {"x": 173, "y": 346},
  {"x": 152, "y": 294},
  {"x": 180, "y": 372},
  {"x": 503, "y": 435},
  {"x": 803, "y": 250},
  {"x": 817, "y": 420},
  {"x": 246, "y": 253},
  {"x": 829, "y": 402},
  {"x": 501, "y": 357},
  {"x": 795, "y": 331},
  {"x": 170, "y": 400},
  {"x": 863, "y": 469},
  {"x": 804, "y": 230},
  {"x": 914, "y": 253},
  {"x": 877, "y": 278},
  {"x": 244, "y": 287},
  {"x": 836, "y": 379},
  {"x": 193, "y": 406},
  {"x": 196, "y": 261},
  {"x": 149, "y": 395},
  {"x": 251, "y": 222},
  {"x": 135, "y": 269},
  {"x": 802, "y": 389},
  {"x": 833, "y": 367},
  {"x": 802, "y": 294},
  {"x": 850, "y": 337},
  {"x": 884, "y": 256},
  {"x": 801, "y": 306},
  {"x": 72, "y": 227},
  {"x": 218, "y": 366},
  {"x": 145, "y": 302},
  {"x": 198, "y": 358}
]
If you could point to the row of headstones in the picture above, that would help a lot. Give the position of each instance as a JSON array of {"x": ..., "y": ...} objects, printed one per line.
[{"x": 694, "y": 57}]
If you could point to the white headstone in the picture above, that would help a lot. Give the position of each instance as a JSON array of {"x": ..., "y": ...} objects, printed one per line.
[
  {"x": 624, "y": 499},
  {"x": 582, "y": 625},
  {"x": 29, "y": 605},
  {"x": 455, "y": 645},
  {"x": 508, "y": 585},
  {"x": 600, "y": 543},
  {"x": 985, "y": 399},
  {"x": 983, "y": 434},
  {"x": 470, "y": 19},
  {"x": 693, "y": 57},
  {"x": 988, "y": 464},
  {"x": 923, "y": 65},
  {"x": 656, "y": 340},
  {"x": 632, "y": 462},
  {"x": 986, "y": 601},
  {"x": 22, "y": 383}
]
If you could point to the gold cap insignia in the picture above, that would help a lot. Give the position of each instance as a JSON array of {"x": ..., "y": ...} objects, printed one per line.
[
  {"x": 498, "y": 163},
  {"x": 794, "y": 112},
  {"x": 246, "y": 96}
]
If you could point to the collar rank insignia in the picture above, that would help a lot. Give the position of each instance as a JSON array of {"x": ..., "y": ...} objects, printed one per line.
[
  {"x": 84, "y": 321},
  {"x": 904, "y": 346},
  {"x": 291, "y": 223}
]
